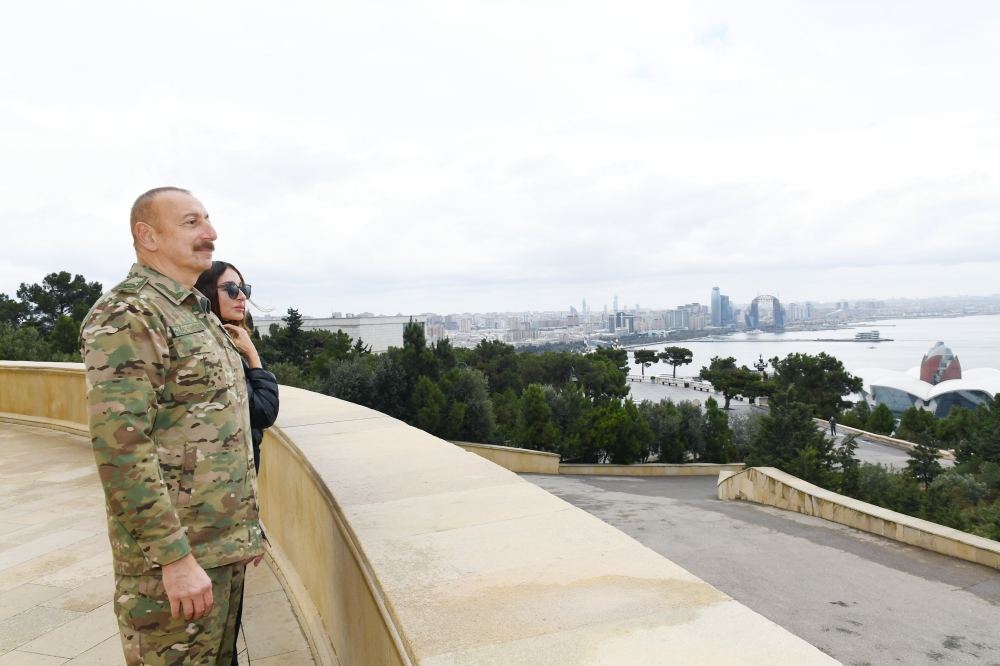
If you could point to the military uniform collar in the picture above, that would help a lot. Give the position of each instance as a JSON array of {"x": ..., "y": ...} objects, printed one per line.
[{"x": 169, "y": 287}]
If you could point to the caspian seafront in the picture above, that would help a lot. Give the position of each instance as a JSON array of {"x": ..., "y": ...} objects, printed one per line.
[{"x": 974, "y": 339}]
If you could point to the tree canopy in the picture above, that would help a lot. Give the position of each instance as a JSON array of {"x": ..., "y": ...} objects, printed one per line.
[
  {"x": 819, "y": 381},
  {"x": 676, "y": 356}
]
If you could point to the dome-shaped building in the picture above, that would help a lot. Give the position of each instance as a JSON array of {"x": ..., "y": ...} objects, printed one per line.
[
  {"x": 936, "y": 385},
  {"x": 940, "y": 364}
]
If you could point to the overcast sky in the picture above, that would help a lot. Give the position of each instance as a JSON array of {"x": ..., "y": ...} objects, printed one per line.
[{"x": 471, "y": 156}]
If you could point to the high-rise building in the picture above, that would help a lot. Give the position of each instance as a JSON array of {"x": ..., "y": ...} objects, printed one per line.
[
  {"x": 716, "y": 307},
  {"x": 726, "y": 308},
  {"x": 614, "y": 305}
]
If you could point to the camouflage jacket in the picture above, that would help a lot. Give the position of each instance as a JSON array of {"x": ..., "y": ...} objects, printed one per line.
[{"x": 170, "y": 427}]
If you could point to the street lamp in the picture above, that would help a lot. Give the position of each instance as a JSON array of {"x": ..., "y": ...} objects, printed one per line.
[{"x": 760, "y": 365}]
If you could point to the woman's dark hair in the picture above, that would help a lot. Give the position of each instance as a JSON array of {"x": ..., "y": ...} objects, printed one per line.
[{"x": 208, "y": 284}]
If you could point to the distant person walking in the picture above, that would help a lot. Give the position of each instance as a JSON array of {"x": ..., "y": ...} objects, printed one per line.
[{"x": 833, "y": 426}]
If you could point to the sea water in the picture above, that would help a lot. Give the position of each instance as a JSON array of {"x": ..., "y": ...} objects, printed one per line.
[{"x": 974, "y": 339}]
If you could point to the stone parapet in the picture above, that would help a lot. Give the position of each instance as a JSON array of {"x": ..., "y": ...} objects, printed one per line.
[
  {"x": 767, "y": 485},
  {"x": 401, "y": 548},
  {"x": 522, "y": 461},
  {"x": 651, "y": 469}
]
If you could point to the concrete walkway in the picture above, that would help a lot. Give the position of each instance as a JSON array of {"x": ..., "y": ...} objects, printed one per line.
[
  {"x": 56, "y": 583},
  {"x": 858, "y": 597}
]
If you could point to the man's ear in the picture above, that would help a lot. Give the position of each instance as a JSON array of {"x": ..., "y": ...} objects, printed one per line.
[{"x": 145, "y": 236}]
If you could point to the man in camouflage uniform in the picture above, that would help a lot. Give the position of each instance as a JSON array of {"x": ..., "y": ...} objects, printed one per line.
[{"x": 170, "y": 428}]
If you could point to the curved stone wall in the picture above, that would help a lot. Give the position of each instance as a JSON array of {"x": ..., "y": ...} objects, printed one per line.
[
  {"x": 767, "y": 485},
  {"x": 651, "y": 469},
  {"x": 516, "y": 460},
  {"x": 47, "y": 394},
  {"x": 401, "y": 548}
]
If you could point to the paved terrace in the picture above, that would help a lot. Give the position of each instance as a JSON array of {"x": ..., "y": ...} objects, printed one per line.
[
  {"x": 858, "y": 597},
  {"x": 56, "y": 583}
]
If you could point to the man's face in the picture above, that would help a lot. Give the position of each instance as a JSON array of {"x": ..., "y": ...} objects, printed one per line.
[{"x": 184, "y": 236}]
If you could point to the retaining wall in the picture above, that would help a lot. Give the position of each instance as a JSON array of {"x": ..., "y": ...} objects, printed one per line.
[{"x": 767, "y": 485}]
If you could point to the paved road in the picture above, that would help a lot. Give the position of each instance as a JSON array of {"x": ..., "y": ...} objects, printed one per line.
[{"x": 861, "y": 598}]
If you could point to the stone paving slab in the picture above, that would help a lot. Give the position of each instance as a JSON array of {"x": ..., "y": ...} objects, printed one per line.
[{"x": 56, "y": 582}]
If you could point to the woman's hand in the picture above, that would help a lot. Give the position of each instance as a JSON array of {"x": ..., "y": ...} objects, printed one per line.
[{"x": 241, "y": 338}]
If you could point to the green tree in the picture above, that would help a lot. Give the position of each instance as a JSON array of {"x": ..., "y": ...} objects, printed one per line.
[
  {"x": 418, "y": 359},
  {"x": 635, "y": 440},
  {"x": 744, "y": 426},
  {"x": 857, "y": 416},
  {"x": 645, "y": 358},
  {"x": 718, "y": 437},
  {"x": 292, "y": 375},
  {"x": 24, "y": 343},
  {"x": 923, "y": 463},
  {"x": 535, "y": 426},
  {"x": 324, "y": 349},
  {"x": 350, "y": 379},
  {"x": 11, "y": 312},
  {"x": 289, "y": 342},
  {"x": 874, "y": 484},
  {"x": 428, "y": 406},
  {"x": 390, "y": 384},
  {"x": 676, "y": 356},
  {"x": 881, "y": 421},
  {"x": 850, "y": 466},
  {"x": 617, "y": 356},
  {"x": 500, "y": 363},
  {"x": 65, "y": 337},
  {"x": 505, "y": 407},
  {"x": 788, "y": 439},
  {"x": 956, "y": 430},
  {"x": 59, "y": 295},
  {"x": 819, "y": 381},
  {"x": 917, "y": 425},
  {"x": 571, "y": 412},
  {"x": 985, "y": 444},
  {"x": 665, "y": 423},
  {"x": 617, "y": 433},
  {"x": 470, "y": 409},
  {"x": 601, "y": 376},
  {"x": 444, "y": 355},
  {"x": 692, "y": 428},
  {"x": 730, "y": 380}
]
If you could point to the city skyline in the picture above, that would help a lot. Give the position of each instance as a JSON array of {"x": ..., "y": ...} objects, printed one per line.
[
  {"x": 859, "y": 304},
  {"x": 508, "y": 157}
]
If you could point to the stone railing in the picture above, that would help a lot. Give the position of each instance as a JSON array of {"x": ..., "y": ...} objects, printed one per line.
[
  {"x": 522, "y": 461},
  {"x": 767, "y": 485},
  {"x": 651, "y": 469},
  {"x": 527, "y": 461},
  {"x": 401, "y": 548}
]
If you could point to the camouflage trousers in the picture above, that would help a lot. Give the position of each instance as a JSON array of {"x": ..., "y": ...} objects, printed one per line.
[{"x": 151, "y": 637}]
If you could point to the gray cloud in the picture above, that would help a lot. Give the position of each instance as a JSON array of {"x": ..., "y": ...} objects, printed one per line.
[{"x": 425, "y": 156}]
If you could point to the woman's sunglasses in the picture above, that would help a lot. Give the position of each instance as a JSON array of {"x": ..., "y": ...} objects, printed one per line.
[{"x": 233, "y": 290}]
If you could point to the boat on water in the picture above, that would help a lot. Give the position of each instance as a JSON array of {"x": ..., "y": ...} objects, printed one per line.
[{"x": 860, "y": 336}]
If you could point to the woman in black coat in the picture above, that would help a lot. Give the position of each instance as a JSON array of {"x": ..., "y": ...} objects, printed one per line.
[
  {"x": 226, "y": 290},
  {"x": 228, "y": 294}
]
